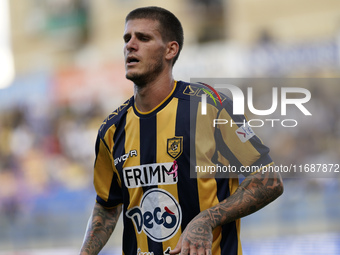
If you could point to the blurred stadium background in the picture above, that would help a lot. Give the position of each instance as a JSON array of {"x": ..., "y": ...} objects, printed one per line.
[{"x": 62, "y": 73}]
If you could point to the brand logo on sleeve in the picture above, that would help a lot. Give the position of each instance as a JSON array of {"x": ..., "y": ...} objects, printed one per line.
[
  {"x": 245, "y": 132},
  {"x": 159, "y": 215}
]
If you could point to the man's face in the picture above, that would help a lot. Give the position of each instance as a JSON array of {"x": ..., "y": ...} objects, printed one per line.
[{"x": 144, "y": 50}]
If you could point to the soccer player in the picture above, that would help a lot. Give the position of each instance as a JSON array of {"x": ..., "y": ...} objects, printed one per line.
[{"x": 146, "y": 149}]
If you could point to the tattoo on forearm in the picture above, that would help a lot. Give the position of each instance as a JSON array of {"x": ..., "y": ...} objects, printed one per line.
[
  {"x": 100, "y": 228},
  {"x": 254, "y": 192}
]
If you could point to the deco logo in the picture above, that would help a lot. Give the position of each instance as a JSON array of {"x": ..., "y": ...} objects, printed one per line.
[{"x": 158, "y": 215}]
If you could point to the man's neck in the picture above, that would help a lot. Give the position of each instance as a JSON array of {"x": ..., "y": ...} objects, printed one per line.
[{"x": 152, "y": 94}]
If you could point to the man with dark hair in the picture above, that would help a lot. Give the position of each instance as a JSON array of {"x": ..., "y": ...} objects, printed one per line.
[
  {"x": 146, "y": 148},
  {"x": 169, "y": 26}
]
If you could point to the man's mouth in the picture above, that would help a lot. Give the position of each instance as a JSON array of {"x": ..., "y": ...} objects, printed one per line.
[{"x": 131, "y": 60}]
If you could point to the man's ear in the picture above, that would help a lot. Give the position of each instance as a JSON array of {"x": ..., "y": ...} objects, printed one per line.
[{"x": 172, "y": 50}]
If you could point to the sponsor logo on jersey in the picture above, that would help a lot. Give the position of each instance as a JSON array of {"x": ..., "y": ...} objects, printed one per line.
[
  {"x": 175, "y": 146},
  {"x": 245, "y": 132},
  {"x": 149, "y": 174},
  {"x": 122, "y": 158},
  {"x": 140, "y": 252},
  {"x": 159, "y": 215}
]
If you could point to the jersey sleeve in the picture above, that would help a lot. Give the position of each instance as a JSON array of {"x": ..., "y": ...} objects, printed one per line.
[
  {"x": 238, "y": 143},
  {"x": 107, "y": 182}
]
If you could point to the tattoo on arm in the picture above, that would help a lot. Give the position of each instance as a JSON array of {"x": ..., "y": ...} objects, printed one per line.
[
  {"x": 255, "y": 192},
  {"x": 100, "y": 227}
]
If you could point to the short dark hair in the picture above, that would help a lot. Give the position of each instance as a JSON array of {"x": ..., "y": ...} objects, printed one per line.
[{"x": 170, "y": 27}]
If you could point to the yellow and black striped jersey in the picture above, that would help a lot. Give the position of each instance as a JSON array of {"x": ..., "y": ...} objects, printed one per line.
[{"x": 148, "y": 162}]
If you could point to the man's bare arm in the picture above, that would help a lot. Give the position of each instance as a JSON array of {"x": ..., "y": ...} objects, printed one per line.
[
  {"x": 255, "y": 192},
  {"x": 99, "y": 229}
]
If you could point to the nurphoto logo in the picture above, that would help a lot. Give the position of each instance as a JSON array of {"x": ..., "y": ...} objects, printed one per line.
[{"x": 300, "y": 97}]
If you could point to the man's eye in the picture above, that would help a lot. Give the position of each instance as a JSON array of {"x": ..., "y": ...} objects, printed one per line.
[
  {"x": 126, "y": 39},
  {"x": 144, "y": 39}
]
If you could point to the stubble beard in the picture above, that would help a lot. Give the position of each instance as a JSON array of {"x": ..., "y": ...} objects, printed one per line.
[{"x": 142, "y": 79}]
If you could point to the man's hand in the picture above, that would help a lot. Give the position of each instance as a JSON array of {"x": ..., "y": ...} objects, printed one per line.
[
  {"x": 196, "y": 238},
  {"x": 255, "y": 192}
]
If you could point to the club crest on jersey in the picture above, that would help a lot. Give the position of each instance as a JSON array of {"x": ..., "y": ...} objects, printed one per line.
[
  {"x": 175, "y": 146},
  {"x": 158, "y": 215}
]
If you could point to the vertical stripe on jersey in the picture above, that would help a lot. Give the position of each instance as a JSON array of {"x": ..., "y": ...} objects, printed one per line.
[
  {"x": 207, "y": 186},
  {"x": 205, "y": 139},
  {"x": 135, "y": 194},
  {"x": 166, "y": 124},
  {"x": 186, "y": 186},
  {"x": 231, "y": 231},
  {"x": 233, "y": 185},
  {"x": 148, "y": 152}
]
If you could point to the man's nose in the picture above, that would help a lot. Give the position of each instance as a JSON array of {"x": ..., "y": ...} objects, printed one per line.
[{"x": 132, "y": 44}]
